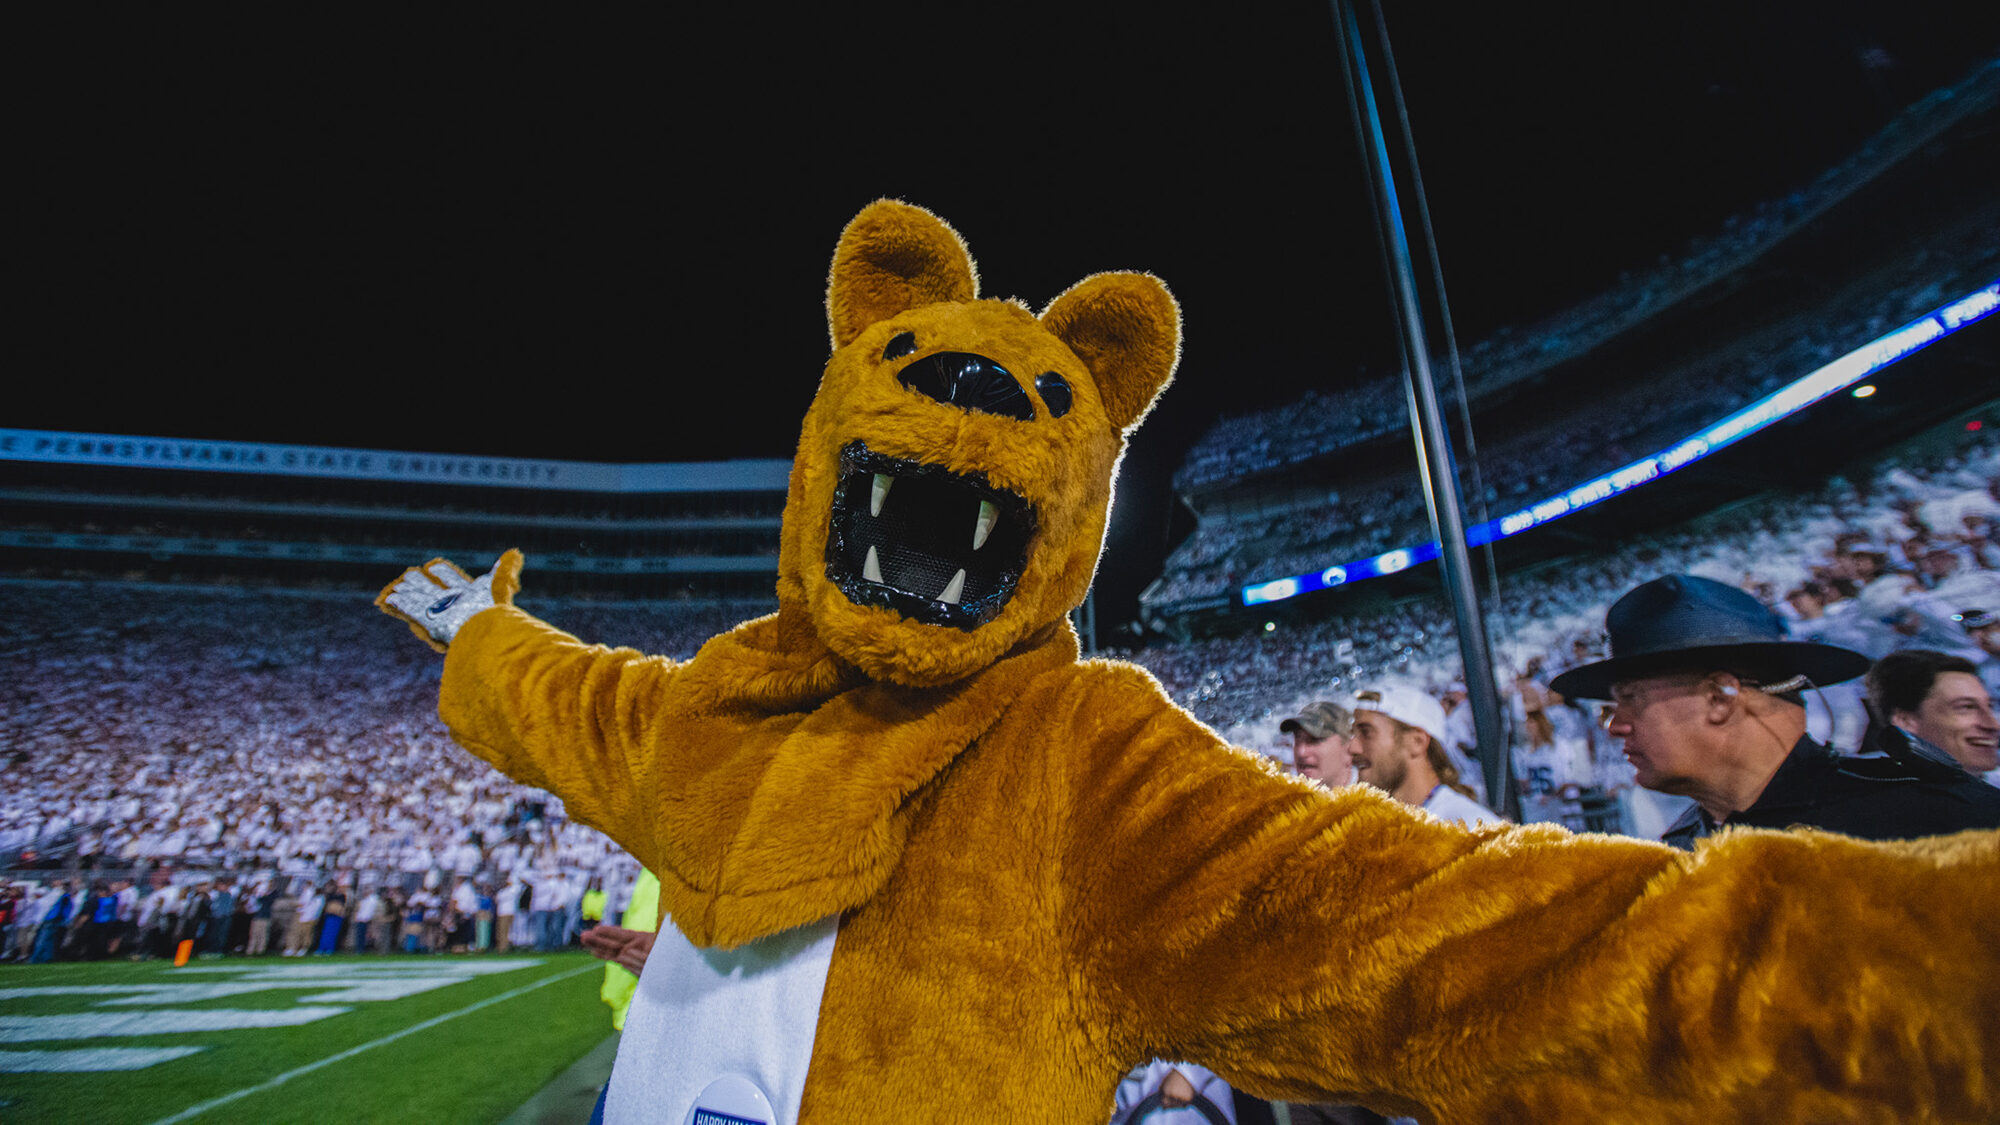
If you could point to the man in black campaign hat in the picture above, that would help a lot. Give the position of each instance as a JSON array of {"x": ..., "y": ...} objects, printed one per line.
[{"x": 1706, "y": 693}]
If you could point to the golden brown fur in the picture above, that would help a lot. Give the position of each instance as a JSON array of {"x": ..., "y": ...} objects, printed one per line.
[{"x": 1047, "y": 872}]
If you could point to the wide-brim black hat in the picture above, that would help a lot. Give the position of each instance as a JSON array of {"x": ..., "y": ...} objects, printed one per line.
[{"x": 1686, "y": 623}]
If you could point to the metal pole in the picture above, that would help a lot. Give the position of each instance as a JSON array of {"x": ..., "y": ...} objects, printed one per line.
[
  {"x": 1084, "y": 617},
  {"x": 1434, "y": 457},
  {"x": 1429, "y": 243}
]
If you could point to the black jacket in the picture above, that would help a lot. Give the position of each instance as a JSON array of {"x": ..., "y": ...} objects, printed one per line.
[{"x": 1873, "y": 798}]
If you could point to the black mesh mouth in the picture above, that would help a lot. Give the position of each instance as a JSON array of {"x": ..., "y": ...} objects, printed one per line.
[{"x": 939, "y": 547}]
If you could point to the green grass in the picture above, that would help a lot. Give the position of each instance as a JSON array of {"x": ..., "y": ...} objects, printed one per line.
[{"x": 477, "y": 1067}]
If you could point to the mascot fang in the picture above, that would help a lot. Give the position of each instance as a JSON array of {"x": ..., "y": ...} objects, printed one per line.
[{"x": 923, "y": 863}]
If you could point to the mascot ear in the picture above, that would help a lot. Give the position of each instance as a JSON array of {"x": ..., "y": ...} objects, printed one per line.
[
  {"x": 1126, "y": 328},
  {"x": 893, "y": 257}
]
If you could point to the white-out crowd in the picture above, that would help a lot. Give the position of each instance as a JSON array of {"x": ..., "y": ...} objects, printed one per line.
[
  {"x": 188, "y": 742},
  {"x": 1382, "y": 511},
  {"x": 288, "y": 743},
  {"x": 1893, "y": 558}
]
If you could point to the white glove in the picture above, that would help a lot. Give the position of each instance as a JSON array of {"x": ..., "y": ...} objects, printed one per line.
[{"x": 438, "y": 598}]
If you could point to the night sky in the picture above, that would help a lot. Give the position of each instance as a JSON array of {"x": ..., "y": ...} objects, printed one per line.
[{"x": 606, "y": 240}]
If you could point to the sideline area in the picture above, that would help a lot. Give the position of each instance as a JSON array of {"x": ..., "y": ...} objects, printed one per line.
[
  {"x": 569, "y": 1099},
  {"x": 332, "y": 1039}
]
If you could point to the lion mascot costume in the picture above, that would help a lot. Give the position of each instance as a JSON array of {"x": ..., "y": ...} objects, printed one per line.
[{"x": 923, "y": 863}]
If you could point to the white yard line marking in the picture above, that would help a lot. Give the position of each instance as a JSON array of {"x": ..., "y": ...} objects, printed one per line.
[
  {"x": 355, "y": 969},
  {"x": 156, "y": 1021},
  {"x": 333, "y": 990},
  {"x": 90, "y": 1059},
  {"x": 195, "y": 1111}
]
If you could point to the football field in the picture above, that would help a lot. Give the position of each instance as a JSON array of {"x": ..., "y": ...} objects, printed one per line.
[{"x": 335, "y": 1039}]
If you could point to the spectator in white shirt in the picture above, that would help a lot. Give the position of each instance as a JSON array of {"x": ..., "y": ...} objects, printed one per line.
[
  {"x": 365, "y": 913},
  {"x": 305, "y": 925}
]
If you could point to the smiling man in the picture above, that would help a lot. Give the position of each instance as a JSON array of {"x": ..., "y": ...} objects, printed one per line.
[
  {"x": 1398, "y": 747},
  {"x": 1938, "y": 698},
  {"x": 1321, "y": 734},
  {"x": 1706, "y": 693}
]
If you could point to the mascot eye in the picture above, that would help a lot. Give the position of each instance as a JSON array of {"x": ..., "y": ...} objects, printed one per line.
[
  {"x": 1054, "y": 391},
  {"x": 900, "y": 346}
]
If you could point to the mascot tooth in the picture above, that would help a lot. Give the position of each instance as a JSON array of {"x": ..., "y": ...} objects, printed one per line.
[{"x": 924, "y": 864}]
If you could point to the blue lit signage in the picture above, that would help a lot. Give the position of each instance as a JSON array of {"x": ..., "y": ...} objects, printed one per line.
[{"x": 1835, "y": 377}]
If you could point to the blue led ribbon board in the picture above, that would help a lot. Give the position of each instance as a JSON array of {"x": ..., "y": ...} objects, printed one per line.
[{"x": 1831, "y": 379}]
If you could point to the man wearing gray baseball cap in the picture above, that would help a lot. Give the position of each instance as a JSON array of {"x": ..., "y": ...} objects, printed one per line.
[
  {"x": 1705, "y": 685},
  {"x": 1321, "y": 733}
]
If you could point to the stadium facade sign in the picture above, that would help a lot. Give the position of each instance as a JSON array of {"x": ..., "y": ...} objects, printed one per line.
[
  {"x": 123, "y": 451},
  {"x": 1834, "y": 377}
]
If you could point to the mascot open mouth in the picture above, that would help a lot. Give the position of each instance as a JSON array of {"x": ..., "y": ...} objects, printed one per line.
[{"x": 936, "y": 546}]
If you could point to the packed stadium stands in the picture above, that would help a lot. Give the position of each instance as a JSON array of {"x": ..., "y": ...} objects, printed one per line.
[
  {"x": 1904, "y": 224},
  {"x": 1561, "y": 448},
  {"x": 1941, "y": 497},
  {"x": 243, "y": 730},
  {"x": 246, "y": 729},
  {"x": 198, "y": 687}
]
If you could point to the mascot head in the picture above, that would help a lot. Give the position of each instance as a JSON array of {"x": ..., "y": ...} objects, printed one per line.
[{"x": 953, "y": 479}]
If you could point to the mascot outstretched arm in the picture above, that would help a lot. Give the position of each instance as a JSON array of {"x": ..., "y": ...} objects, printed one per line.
[{"x": 924, "y": 863}]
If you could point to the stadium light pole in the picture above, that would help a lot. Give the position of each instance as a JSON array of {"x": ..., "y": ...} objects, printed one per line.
[
  {"x": 1435, "y": 463},
  {"x": 1084, "y": 618}
]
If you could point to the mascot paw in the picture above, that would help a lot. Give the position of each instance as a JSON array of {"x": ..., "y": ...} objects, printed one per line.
[{"x": 438, "y": 598}]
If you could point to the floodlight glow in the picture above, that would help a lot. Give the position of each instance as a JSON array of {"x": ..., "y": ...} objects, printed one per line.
[
  {"x": 1841, "y": 374},
  {"x": 1865, "y": 390}
]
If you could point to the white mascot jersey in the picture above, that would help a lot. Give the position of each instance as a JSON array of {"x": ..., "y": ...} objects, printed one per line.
[{"x": 721, "y": 1037}]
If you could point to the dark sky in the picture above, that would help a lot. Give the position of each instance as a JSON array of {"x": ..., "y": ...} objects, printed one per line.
[{"x": 608, "y": 240}]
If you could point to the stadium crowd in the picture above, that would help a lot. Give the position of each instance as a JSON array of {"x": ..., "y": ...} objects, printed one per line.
[
  {"x": 1893, "y": 560},
  {"x": 255, "y": 770},
  {"x": 1380, "y": 511},
  {"x": 198, "y": 912},
  {"x": 205, "y": 758},
  {"x": 191, "y": 756}
]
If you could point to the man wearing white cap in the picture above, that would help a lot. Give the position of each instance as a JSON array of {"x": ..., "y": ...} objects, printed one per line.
[{"x": 1398, "y": 747}]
